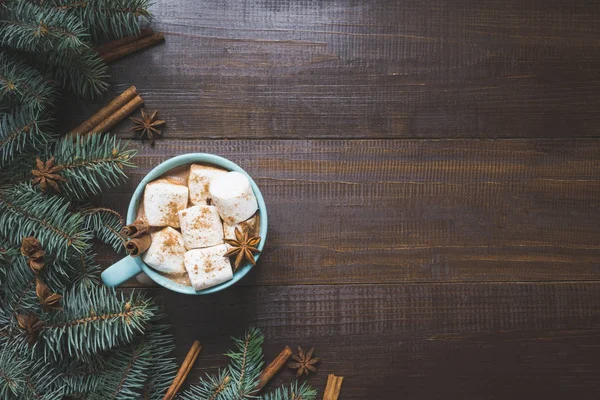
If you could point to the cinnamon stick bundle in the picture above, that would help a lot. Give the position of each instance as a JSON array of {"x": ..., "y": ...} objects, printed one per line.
[
  {"x": 135, "y": 229},
  {"x": 138, "y": 245},
  {"x": 273, "y": 368},
  {"x": 333, "y": 388},
  {"x": 132, "y": 47},
  {"x": 118, "y": 115},
  {"x": 106, "y": 111},
  {"x": 111, "y": 114},
  {"x": 184, "y": 370}
]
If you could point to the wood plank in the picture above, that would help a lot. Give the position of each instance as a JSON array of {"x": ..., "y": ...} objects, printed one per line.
[
  {"x": 376, "y": 69},
  {"x": 414, "y": 210},
  {"x": 412, "y": 341}
]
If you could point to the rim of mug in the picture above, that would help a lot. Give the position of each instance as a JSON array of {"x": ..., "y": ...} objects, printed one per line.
[{"x": 191, "y": 158}]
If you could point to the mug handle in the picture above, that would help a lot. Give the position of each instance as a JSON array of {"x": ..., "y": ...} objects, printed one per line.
[{"x": 120, "y": 272}]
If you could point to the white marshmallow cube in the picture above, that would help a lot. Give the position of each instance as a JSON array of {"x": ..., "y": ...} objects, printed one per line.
[
  {"x": 233, "y": 196},
  {"x": 199, "y": 182},
  {"x": 251, "y": 226},
  {"x": 208, "y": 267},
  {"x": 162, "y": 201},
  {"x": 167, "y": 251},
  {"x": 201, "y": 227}
]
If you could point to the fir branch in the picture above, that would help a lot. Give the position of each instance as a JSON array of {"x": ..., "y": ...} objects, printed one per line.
[
  {"x": 87, "y": 270},
  {"x": 17, "y": 279},
  {"x": 95, "y": 319},
  {"x": 91, "y": 164},
  {"x": 19, "y": 288},
  {"x": 163, "y": 369},
  {"x": 107, "y": 18},
  {"x": 246, "y": 363},
  {"x": 8, "y": 253},
  {"x": 113, "y": 372},
  {"x": 106, "y": 225},
  {"x": 40, "y": 378},
  {"x": 293, "y": 392},
  {"x": 21, "y": 84},
  {"x": 12, "y": 373},
  {"x": 209, "y": 388},
  {"x": 32, "y": 28},
  {"x": 18, "y": 170},
  {"x": 128, "y": 373},
  {"x": 82, "y": 72},
  {"x": 238, "y": 381},
  {"x": 25, "y": 211},
  {"x": 81, "y": 377},
  {"x": 23, "y": 129}
]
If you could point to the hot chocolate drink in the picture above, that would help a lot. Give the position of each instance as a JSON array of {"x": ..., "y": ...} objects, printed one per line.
[{"x": 192, "y": 210}]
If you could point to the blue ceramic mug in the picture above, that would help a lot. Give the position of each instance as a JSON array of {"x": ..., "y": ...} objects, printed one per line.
[{"x": 129, "y": 267}]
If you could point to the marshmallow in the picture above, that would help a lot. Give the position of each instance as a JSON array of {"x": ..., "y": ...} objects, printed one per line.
[
  {"x": 233, "y": 196},
  {"x": 208, "y": 267},
  {"x": 201, "y": 226},
  {"x": 252, "y": 226},
  {"x": 199, "y": 181},
  {"x": 166, "y": 253},
  {"x": 162, "y": 201}
]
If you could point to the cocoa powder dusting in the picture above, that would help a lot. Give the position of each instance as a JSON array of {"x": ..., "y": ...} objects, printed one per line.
[
  {"x": 208, "y": 266},
  {"x": 169, "y": 244},
  {"x": 171, "y": 213}
]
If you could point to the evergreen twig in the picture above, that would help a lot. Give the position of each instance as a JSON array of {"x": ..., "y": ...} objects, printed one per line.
[
  {"x": 21, "y": 130},
  {"x": 91, "y": 164},
  {"x": 24, "y": 211},
  {"x": 106, "y": 225},
  {"x": 107, "y": 18},
  {"x": 239, "y": 380},
  {"x": 82, "y": 72},
  {"x": 27, "y": 26},
  {"x": 95, "y": 319},
  {"x": 23, "y": 85}
]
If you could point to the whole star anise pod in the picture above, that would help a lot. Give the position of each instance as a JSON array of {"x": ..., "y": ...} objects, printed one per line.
[
  {"x": 48, "y": 300},
  {"x": 147, "y": 125},
  {"x": 31, "y": 324},
  {"x": 46, "y": 175},
  {"x": 304, "y": 362},
  {"x": 32, "y": 249},
  {"x": 243, "y": 247}
]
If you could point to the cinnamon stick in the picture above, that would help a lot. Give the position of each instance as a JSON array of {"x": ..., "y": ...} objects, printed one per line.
[
  {"x": 184, "y": 370},
  {"x": 136, "y": 229},
  {"x": 103, "y": 48},
  {"x": 118, "y": 116},
  {"x": 139, "y": 245},
  {"x": 132, "y": 47},
  {"x": 106, "y": 111},
  {"x": 333, "y": 388},
  {"x": 273, "y": 368}
]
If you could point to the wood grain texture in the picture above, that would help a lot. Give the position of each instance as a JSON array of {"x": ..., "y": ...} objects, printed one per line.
[
  {"x": 415, "y": 211},
  {"x": 460, "y": 262},
  {"x": 371, "y": 69},
  {"x": 412, "y": 341}
]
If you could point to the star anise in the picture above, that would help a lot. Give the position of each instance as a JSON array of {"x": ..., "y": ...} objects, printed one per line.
[
  {"x": 30, "y": 245},
  {"x": 48, "y": 300},
  {"x": 304, "y": 362},
  {"x": 243, "y": 247},
  {"x": 32, "y": 249},
  {"x": 46, "y": 174},
  {"x": 147, "y": 125},
  {"x": 31, "y": 324}
]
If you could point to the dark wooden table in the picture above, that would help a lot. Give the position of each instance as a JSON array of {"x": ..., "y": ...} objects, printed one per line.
[{"x": 432, "y": 176}]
